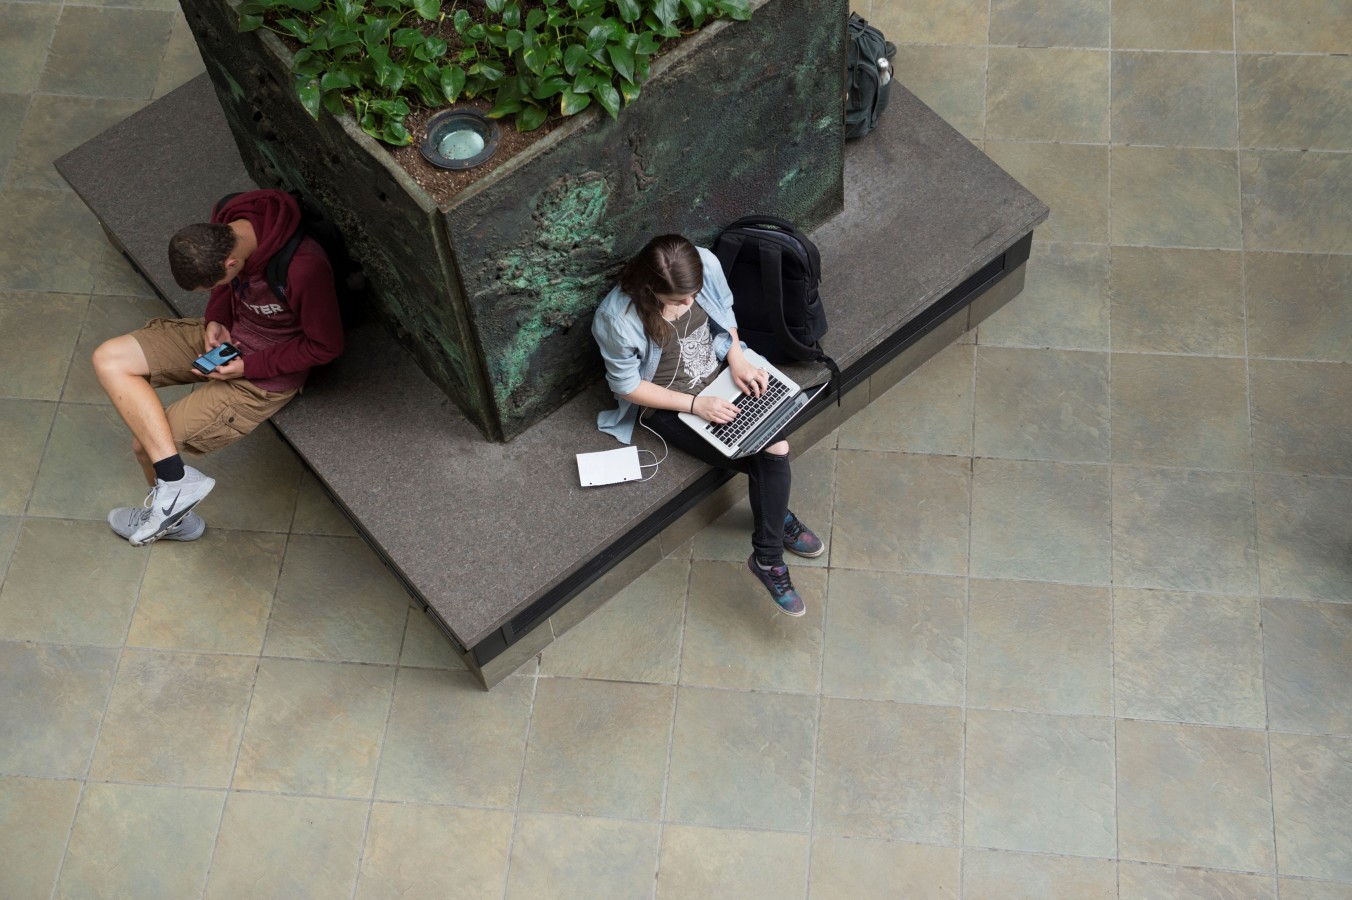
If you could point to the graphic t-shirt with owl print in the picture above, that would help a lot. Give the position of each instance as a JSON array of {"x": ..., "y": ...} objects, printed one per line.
[{"x": 688, "y": 360}]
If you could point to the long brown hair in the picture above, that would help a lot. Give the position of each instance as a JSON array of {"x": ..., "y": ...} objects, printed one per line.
[{"x": 669, "y": 264}]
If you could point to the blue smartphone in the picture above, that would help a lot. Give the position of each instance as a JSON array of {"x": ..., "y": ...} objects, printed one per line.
[{"x": 207, "y": 362}]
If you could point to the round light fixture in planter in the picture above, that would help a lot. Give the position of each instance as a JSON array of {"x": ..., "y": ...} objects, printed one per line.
[{"x": 459, "y": 138}]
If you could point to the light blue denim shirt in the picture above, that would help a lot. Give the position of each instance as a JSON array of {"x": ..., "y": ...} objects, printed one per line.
[{"x": 632, "y": 357}]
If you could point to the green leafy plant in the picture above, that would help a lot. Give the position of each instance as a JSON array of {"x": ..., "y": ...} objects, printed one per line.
[{"x": 529, "y": 58}]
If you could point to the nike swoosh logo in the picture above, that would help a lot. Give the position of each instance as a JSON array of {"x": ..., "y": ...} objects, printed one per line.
[{"x": 168, "y": 510}]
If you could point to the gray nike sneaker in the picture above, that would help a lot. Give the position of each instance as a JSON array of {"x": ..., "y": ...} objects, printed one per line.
[
  {"x": 168, "y": 503},
  {"x": 126, "y": 519}
]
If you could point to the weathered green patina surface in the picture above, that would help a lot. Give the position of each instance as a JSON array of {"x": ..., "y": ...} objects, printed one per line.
[{"x": 493, "y": 291}]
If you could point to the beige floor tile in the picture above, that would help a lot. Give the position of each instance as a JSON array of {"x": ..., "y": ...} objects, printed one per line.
[
  {"x": 35, "y": 819},
  {"x": 1147, "y": 882},
  {"x": 316, "y": 512},
  {"x": 450, "y": 742},
  {"x": 70, "y": 581},
  {"x": 1064, "y": 302},
  {"x": 735, "y": 636},
  {"x": 1294, "y": 102},
  {"x": 697, "y": 863},
  {"x": 929, "y": 412},
  {"x": 741, "y": 759},
  {"x": 567, "y": 856},
  {"x": 212, "y": 595},
  {"x": 899, "y": 512},
  {"x": 39, "y": 334},
  {"x": 88, "y": 467},
  {"x": 1307, "y": 665},
  {"x": 1304, "y": 529},
  {"x": 1174, "y": 99},
  {"x": 941, "y": 22},
  {"x": 895, "y": 637},
  {"x": 114, "y": 275},
  {"x": 951, "y": 80},
  {"x": 52, "y": 705},
  {"x": 1301, "y": 422},
  {"x": 1053, "y": 23},
  {"x": 1184, "y": 530},
  {"x": 1299, "y": 26},
  {"x": 55, "y": 125},
  {"x": 1188, "y": 658},
  {"x": 257, "y": 482},
  {"x": 889, "y": 770},
  {"x": 24, "y": 427},
  {"x": 335, "y": 600},
  {"x": 1175, "y": 197},
  {"x": 272, "y": 846},
  {"x": 182, "y": 60},
  {"x": 1039, "y": 783},
  {"x": 1041, "y": 404},
  {"x": 1150, "y": 314},
  {"x": 1000, "y": 875},
  {"x": 174, "y": 718},
  {"x": 634, "y": 637},
  {"x": 25, "y": 33},
  {"x": 1045, "y": 521},
  {"x": 425, "y": 645},
  {"x": 1311, "y": 780},
  {"x": 1047, "y": 94},
  {"x": 1296, "y": 201},
  {"x": 48, "y": 242},
  {"x": 113, "y": 52},
  {"x": 597, "y": 748},
  {"x": 1040, "y": 647},
  {"x": 1297, "y": 305},
  {"x": 459, "y": 852},
  {"x": 9, "y": 534},
  {"x": 13, "y": 108},
  {"x": 140, "y": 841},
  {"x": 314, "y": 728},
  {"x": 1193, "y": 796},
  {"x": 1173, "y": 24},
  {"x": 856, "y": 869},
  {"x": 1180, "y": 411},
  {"x": 1300, "y": 889},
  {"x": 1072, "y": 179}
]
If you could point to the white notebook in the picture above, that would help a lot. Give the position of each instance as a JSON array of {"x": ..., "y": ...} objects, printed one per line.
[{"x": 608, "y": 466}]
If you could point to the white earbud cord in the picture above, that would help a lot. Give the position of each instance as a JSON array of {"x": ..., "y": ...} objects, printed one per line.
[{"x": 666, "y": 451}]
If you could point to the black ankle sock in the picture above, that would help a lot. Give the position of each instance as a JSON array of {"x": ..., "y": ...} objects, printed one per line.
[{"x": 170, "y": 468}]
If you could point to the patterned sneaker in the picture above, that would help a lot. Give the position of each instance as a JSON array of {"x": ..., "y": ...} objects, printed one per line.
[
  {"x": 776, "y": 581},
  {"x": 168, "y": 503},
  {"x": 125, "y": 520},
  {"x": 799, "y": 539}
]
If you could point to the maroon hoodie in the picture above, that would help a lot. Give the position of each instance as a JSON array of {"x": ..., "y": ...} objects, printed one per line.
[{"x": 279, "y": 340}]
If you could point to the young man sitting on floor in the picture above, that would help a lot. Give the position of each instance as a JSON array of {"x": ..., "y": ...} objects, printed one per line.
[{"x": 278, "y": 340}]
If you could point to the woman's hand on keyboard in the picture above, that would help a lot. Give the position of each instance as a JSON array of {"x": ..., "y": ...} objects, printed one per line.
[
  {"x": 749, "y": 379},
  {"x": 715, "y": 409}
]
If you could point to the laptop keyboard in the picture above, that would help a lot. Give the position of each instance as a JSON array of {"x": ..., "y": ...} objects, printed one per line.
[{"x": 752, "y": 411}]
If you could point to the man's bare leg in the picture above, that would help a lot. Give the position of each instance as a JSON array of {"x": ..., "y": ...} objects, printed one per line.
[{"x": 122, "y": 369}]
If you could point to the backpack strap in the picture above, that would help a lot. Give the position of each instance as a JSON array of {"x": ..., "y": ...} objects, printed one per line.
[{"x": 280, "y": 262}]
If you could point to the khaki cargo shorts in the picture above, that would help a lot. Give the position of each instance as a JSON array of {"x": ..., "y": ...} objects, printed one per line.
[{"x": 216, "y": 413}]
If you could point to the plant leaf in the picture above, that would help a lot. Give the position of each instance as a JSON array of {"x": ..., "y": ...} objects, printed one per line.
[
  {"x": 607, "y": 96},
  {"x": 597, "y": 37},
  {"x": 296, "y": 29},
  {"x": 622, "y": 59},
  {"x": 535, "y": 18},
  {"x": 251, "y": 22},
  {"x": 333, "y": 102},
  {"x": 452, "y": 82},
  {"x": 629, "y": 90},
  {"x": 697, "y": 10},
  {"x": 495, "y": 6},
  {"x": 549, "y": 86},
  {"x": 535, "y": 59},
  {"x": 377, "y": 30},
  {"x": 571, "y": 104},
  {"x": 739, "y": 10},
  {"x": 335, "y": 80},
  {"x": 667, "y": 11},
  {"x": 629, "y": 10},
  {"x": 515, "y": 40},
  {"x": 348, "y": 10},
  {"x": 302, "y": 5},
  {"x": 574, "y": 58},
  {"x": 461, "y": 20},
  {"x": 511, "y": 15},
  {"x": 531, "y": 118},
  {"x": 308, "y": 91},
  {"x": 491, "y": 70},
  {"x": 428, "y": 9}
]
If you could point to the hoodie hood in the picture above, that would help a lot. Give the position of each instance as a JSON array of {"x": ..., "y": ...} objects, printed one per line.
[{"x": 274, "y": 216}]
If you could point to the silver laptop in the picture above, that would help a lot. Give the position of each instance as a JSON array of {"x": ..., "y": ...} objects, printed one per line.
[{"x": 760, "y": 418}]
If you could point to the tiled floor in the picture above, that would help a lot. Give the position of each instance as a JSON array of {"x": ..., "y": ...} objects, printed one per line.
[{"x": 1085, "y": 629}]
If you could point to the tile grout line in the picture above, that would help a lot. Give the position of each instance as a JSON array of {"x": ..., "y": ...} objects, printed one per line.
[
  {"x": 1112, "y": 542},
  {"x": 520, "y": 778},
  {"x": 671, "y": 728}
]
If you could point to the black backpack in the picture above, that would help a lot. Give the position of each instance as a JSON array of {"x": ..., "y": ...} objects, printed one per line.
[
  {"x": 773, "y": 271},
  {"x": 349, "y": 281},
  {"x": 870, "y": 74}
]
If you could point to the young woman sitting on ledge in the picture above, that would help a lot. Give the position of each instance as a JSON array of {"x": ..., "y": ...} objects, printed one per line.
[{"x": 663, "y": 332}]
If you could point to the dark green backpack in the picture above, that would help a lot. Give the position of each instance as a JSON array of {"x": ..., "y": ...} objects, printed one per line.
[{"x": 870, "y": 75}]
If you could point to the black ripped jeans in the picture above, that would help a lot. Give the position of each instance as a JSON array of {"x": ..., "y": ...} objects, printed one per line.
[{"x": 768, "y": 475}]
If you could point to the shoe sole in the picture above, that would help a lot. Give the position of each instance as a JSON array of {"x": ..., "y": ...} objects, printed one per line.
[
  {"x": 796, "y": 615},
  {"x": 164, "y": 526},
  {"x": 819, "y": 552}
]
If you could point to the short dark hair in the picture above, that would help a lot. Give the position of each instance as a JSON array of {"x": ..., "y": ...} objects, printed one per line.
[
  {"x": 197, "y": 255},
  {"x": 669, "y": 264}
]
